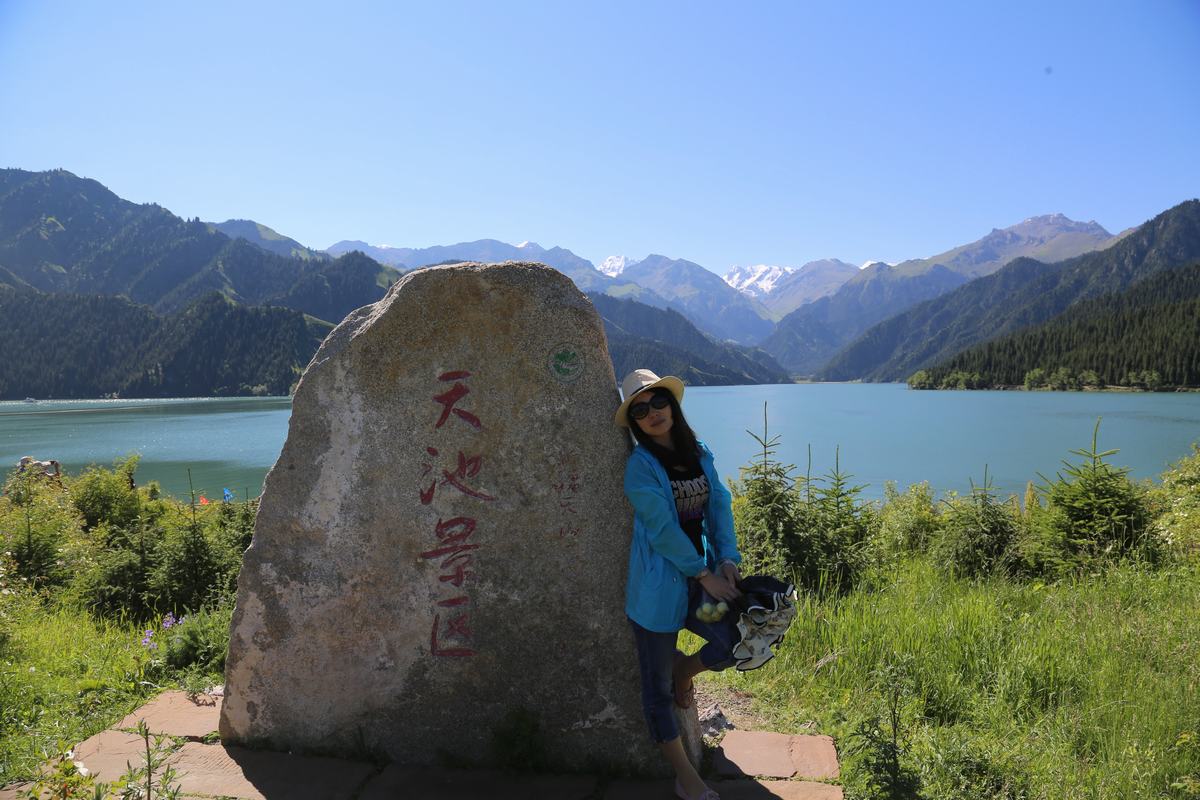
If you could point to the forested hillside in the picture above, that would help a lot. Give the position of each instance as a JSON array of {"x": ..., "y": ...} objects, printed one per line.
[
  {"x": 62, "y": 233},
  {"x": 1022, "y": 294},
  {"x": 663, "y": 340},
  {"x": 266, "y": 238},
  {"x": 79, "y": 346},
  {"x": 808, "y": 337},
  {"x": 1153, "y": 329}
]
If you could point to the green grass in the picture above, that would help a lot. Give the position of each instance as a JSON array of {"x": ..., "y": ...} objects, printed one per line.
[
  {"x": 63, "y": 677},
  {"x": 1084, "y": 689}
]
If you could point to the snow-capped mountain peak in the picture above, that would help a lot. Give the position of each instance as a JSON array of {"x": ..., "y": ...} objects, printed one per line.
[
  {"x": 757, "y": 280},
  {"x": 615, "y": 265}
]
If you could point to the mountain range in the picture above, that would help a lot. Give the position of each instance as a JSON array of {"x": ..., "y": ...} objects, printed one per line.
[
  {"x": 68, "y": 240},
  {"x": 808, "y": 338},
  {"x": 61, "y": 233},
  {"x": 784, "y": 289},
  {"x": 65, "y": 235},
  {"x": 1023, "y": 293}
]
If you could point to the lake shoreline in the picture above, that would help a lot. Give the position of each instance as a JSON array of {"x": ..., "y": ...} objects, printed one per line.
[{"x": 876, "y": 432}]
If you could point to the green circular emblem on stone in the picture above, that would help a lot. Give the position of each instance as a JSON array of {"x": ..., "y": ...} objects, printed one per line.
[{"x": 566, "y": 362}]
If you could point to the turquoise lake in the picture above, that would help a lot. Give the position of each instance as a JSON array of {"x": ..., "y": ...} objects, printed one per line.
[{"x": 882, "y": 432}]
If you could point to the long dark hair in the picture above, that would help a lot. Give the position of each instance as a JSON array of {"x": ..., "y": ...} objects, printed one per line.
[{"x": 687, "y": 449}]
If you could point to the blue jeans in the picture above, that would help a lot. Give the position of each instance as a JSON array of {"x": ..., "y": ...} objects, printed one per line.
[{"x": 656, "y": 659}]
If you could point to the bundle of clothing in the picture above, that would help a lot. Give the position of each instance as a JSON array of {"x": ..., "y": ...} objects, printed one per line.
[
  {"x": 765, "y": 612},
  {"x": 755, "y": 622}
]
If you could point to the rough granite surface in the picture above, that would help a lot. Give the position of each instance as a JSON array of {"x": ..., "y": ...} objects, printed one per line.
[{"x": 439, "y": 559}]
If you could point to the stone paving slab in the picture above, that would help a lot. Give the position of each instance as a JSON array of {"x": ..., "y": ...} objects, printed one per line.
[
  {"x": 213, "y": 769},
  {"x": 776, "y": 790},
  {"x": 640, "y": 790},
  {"x": 754, "y": 753},
  {"x": 177, "y": 714},
  {"x": 741, "y": 789},
  {"x": 13, "y": 791},
  {"x": 108, "y": 754},
  {"x": 815, "y": 757},
  {"x": 776, "y": 755},
  {"x": 416, "y": 783}
]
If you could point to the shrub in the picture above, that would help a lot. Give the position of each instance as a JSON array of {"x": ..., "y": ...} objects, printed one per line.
[
  {"x": 1093, "y": 512},
  {"x": 954, "y": 768},
  {"x": 921, "y": 380},
  {"x": 39, "y": 528},
  {"x": 908, "y": 522},
  {"x": 978, "y": 534},
  {"x": 813, "y": 531},
  {"x": 108, "y": 496},
  {"x": 117, "y": 583},
  {"x": 234, "y": 530},
  {"x": 764, "y": 509},
  {"x": 189, "y": 571},
  {"x": 1177, "y": 500},
  {"x": 200, "y": 640},
  {"x": 880, "y": 744},
  {"x": 961, "y": 379},
  {"x": 828, "y": 548}
]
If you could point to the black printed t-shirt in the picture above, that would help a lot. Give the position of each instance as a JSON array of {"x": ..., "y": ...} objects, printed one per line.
[{"x": 689, "y": 486}]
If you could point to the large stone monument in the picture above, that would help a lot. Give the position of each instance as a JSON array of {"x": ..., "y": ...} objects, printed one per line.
[{"x": 439, "y": 559}]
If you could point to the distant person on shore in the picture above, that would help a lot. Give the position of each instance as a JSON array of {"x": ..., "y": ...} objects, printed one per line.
[{"x": 683, "y": 548}]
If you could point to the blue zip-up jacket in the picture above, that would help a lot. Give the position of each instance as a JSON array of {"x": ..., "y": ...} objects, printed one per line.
[{"x": 661, "y": 556}]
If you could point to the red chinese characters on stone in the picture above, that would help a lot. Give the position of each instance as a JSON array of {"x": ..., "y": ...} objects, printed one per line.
[
  {"x": 451, "y": 396},
  {"x": 456, "y": 625},
  {"x": 451, "y": 635},
  {"x": 455, "y": 553},
  {"x": 468, "y": 467}
]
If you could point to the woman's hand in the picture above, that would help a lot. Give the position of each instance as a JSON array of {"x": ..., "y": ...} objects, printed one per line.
[
  {"x": 719, "y": 588},
  {"x": 730, "y": 571}
]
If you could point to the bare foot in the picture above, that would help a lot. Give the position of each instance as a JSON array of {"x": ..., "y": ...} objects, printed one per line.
[
  {"x": 685, "y": 690},
  {"x": 695, "y": 789}
]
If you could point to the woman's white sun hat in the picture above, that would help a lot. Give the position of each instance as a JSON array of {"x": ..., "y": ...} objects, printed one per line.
[{"x": 641, "y": 380}]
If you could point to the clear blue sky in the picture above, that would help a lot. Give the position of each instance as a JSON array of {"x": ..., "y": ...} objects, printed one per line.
[{"x": 725, "y": 133}]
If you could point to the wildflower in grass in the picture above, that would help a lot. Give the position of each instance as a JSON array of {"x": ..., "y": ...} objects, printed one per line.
[
  {"x": 169, "y": 621},
  {"x": 148, "y": 641}
]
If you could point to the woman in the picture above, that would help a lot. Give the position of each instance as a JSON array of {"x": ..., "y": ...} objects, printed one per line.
[{"x": 683, "y": 542}]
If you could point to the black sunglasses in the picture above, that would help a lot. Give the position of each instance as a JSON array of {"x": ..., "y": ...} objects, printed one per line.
[{"x": 640, "y": 410}]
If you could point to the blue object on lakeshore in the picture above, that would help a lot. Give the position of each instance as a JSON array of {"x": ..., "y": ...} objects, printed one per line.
[{"x": 228, "y": 495}]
